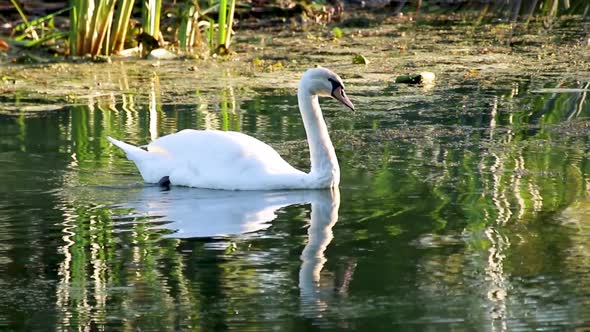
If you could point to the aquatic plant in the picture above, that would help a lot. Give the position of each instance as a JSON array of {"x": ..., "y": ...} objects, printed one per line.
[
  {"x": 100, "y": 26},
  {"x": 150, "y": 15},
  {"x": 194, "y": 24},
  {"x": 27, "y": 32},
  {"x": 119, "y": 31},
  {"x": 92, "y": 30},
  {"x": 225, "y": 23},
  {"x": 22, "y": 15},
  {"x": 188, "y": 28},
  {"x": 90, "y": 23}
]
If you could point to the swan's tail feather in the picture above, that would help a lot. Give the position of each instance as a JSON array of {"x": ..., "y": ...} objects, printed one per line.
[
  {"x": 133, "y": 152},
  {"x": 152, "y": 166}
]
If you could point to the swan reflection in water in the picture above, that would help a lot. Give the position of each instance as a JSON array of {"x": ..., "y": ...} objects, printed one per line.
[{"x": 201, "y": 213}]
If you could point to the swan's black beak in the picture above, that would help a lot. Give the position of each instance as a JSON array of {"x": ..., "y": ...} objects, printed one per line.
[{"x": 339, "y": 94}]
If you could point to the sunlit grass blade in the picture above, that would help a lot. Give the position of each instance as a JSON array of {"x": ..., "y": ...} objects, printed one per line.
[
  {"x": 188, "y": 27},
  {"x": 103, "y": 17},
  {"x": 119, "y": 31},
  {"x": 85, "y": 9},
  {"x": 52, "y": 36},
  {"x": 92, "y": 23},
  {"x": 222, "y": 29},
  {"x": 24, "y": 18},
  {"x": 24, "y": 26},
  {"x": 74, "y": 43},
  {"x": 230, "y": 22},
  {"x": 151, "y": 17}
]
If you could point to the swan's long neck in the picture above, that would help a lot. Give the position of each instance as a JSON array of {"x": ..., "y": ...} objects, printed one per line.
[{"x": 325, "y": 171}]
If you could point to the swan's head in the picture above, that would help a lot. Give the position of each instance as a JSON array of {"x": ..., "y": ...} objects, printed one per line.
[{"x": 323, "y": 82}]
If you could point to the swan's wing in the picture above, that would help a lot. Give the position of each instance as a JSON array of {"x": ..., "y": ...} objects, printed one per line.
[
  {"x": 218, "y": 147},
  {"x": 214, "y": 159}
]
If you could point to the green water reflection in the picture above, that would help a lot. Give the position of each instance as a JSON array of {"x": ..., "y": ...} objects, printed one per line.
[{"x": 464, "y": 207}]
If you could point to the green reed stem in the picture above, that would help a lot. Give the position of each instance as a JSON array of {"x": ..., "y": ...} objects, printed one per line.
[
  {"x": 25, "y": 20},
  {"x": 211, "y": 38},
  {"x": 119, "y": 32},
  {"x": 230, "y": 22},
  {"x": 222, "y": 29},
  {"x": 188, "y": 25},
  {"x": 151, "y": 17}
]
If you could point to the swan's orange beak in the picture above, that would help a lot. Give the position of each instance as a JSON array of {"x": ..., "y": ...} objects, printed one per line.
[{"x": 339, "y": 94}]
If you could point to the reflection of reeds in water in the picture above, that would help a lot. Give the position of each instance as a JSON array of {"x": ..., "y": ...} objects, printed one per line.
[
  {"x": 520, "y": 166},
  {"x": 92, "y": 268},
  {"x": 519, "y": 177},
  {"x": 81, "y": 298},
  {"x": 517, "y": 168},
  {"x": 120, "y": 115},
  {"x": 576, "y": 218},
  {"x": 134, "y": 279},
  {"x": 497, "y": 286}
]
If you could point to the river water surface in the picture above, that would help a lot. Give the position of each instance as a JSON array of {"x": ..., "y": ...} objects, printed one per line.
[{"x": 464, "y": 205}]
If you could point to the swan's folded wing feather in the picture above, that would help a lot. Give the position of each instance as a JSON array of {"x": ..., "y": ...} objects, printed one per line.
[
  {"x": 220, "y": 149},
  {"x": 220, "y": 159}
]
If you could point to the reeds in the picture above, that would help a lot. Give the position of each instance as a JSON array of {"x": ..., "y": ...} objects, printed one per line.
[
  {"x": 91, "y": 22},
  {"x": 100, "y": 26},
  {"x": 37, "y": 31},
  {"x": 225, "y": 23},
  {"x": 195, "y": 23},
  {"x": 150, "y": 14},
  {"x": 188, "y": 34},
  {"x": 119, "y": 31}
]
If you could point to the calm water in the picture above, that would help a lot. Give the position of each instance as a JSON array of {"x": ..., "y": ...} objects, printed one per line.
[{"x": 462, "y": 206}]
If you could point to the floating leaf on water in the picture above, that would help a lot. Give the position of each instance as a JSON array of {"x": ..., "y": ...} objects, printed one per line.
[
  {"x": 258, "y": 62},
  {"x": 337, "y": 32},
  {"x": 8, "y": 79},
  {"x": 276, "y": 65},
  {"x": 424, "y": 77},
  {"x": 266, "y": 65},
  {"x": 359, "y": 59},
  {"x": 473, "y": 72}
]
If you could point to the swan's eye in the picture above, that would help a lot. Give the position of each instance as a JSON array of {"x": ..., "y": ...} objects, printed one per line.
[{"x": 335, "y": 85}]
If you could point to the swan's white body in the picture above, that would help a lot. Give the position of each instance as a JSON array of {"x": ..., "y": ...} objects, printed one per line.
[{"x": 235, "y": 161}]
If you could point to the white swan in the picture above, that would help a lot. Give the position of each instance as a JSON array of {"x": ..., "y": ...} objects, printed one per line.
[{"x": 235, "y": 161}]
